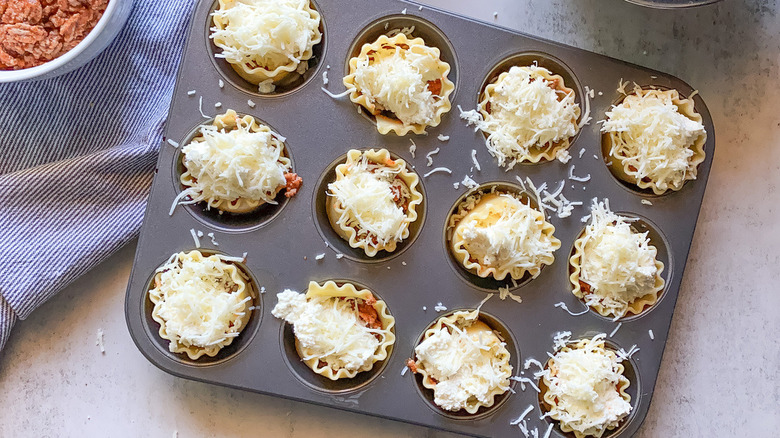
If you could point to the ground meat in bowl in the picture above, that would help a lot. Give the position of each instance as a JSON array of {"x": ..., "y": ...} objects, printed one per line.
[{"x": 33, "y": 32}]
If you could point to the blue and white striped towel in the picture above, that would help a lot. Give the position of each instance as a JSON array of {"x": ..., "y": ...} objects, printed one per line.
[{"x": 77, "y": 155}]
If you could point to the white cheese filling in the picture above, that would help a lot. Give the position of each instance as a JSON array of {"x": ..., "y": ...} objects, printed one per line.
[
  {"x": 512, "y": 236},
  {"x": 467, "y": 365},
  {"x": 617, "y": 262},
  {"x": 329, "y": 329},
  {"x": 585, "y": 386}
]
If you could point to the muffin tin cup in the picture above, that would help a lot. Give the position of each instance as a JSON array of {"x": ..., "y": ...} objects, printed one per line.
[
  {"x": 551, "y": 63},
  {"x": 219, "y": 219},
  {"x": 641, "y": 225},
  {"x": 321, "y": 383},
  {"x": 419, "y": 278},
  {"x": 288, "y": 84},
  {"x": 488, "y": 284},
  {"x": 338, "y": 243},
  {"x": 485, "y": 411},
  {"x": 235, "y": 348},
  {"x": 386, "y": 25},
  {"x": 634, "y": 390}
]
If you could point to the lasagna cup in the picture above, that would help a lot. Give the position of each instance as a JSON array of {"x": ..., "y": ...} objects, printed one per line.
[
  {"x": 236, "y": 165},
  {"x": 528, "y": 115},
  {"x": 498, "y": 233},
  {"x": 201, "y": 303},
  {"x": 402, "y": 82},
  {"x": 463, "y": 361},
  {"x": 583, "y": 388},
  {"x": 266, "y": 40},
  {"x": 655, "y": 140},
  {"x": 614, "y": 268},
  {"x": 340, "y": 331},
  {"x": 373, "y": 200}
]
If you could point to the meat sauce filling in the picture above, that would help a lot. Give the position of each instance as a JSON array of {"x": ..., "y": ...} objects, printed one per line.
[{"x": 33, "y": 32}]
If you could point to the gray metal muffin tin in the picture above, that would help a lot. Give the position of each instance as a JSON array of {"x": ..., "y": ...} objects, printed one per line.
[{"x": 281, "y": 243}]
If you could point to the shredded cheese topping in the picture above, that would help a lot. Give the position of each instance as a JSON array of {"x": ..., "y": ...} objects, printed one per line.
[
  {"x": 398, "y": 83},
  {"x": 368, "y": 195},
  {"x": 617, "y": 262},
  {"x": 468, "y": 361},
  {"x": 330, "y": 329},
  {"x": 199, "y": 300},
  {"x": 265, "y": 33},
  {"x": 238, "y": 164},
  {"x": 508, "y": 235},
  {"x": 524, "y": 111},
  {"x": 653, "y": 139},
  {"x": 583, "y": 382}
]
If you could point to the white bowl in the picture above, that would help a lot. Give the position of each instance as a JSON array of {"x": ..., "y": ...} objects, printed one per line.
[{"x": 98, "y": 39}]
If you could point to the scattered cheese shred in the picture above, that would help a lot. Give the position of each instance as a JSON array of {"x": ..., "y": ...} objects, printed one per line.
[
  {"x": 615, "y": 330},
  {"x": 563, "y": 306},
  {"x": 572, "y": 177},
  {"x": 429, "y": 157},
  {"x": 438, "y": 169},
  {"x": 200, "y": 108},
  {"x": 470, "y": 183},
  {"x": 99, "y": 341},
  {"x": 443, "y": 137},
  {"x": 503, "y": 294}
]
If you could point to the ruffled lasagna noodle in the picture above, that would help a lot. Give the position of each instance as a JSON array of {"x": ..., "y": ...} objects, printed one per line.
[
  {"x": 373, "y": 201},
  {"x": 584, "y": 389},
  {"x": 655, "y": 140},
  {"x": 236, "y": 165},
  {"x": 614, "y": 268},
  {"x": 498, "y": 234},
  {"x": 528, "y": 114},
  {"x": 339, "y": 331},
  {"x": 402, "y": 82},
  {"x": 265, "y": 40},
  {"x": 201, "y": 303},
  {"x": 463, "y": 361}
]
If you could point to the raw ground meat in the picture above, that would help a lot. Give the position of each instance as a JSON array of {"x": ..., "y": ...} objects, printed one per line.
[{"x": 33, "y": 32}]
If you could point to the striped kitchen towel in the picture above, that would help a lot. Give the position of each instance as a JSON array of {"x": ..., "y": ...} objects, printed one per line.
[{"x": 77, "y": 154}]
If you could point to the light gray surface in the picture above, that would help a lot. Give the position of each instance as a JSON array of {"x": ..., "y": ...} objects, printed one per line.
[{"x": 723, "y": 342}]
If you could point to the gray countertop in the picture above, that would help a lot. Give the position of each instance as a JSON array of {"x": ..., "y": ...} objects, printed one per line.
[{"x": 720, "y": 372}]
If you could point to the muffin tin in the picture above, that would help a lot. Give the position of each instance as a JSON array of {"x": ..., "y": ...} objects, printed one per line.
[{"x": 281, "y": 243}]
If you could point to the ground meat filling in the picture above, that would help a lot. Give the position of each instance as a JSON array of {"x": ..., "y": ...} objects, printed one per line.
[{"x": 33, "y": 32}]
